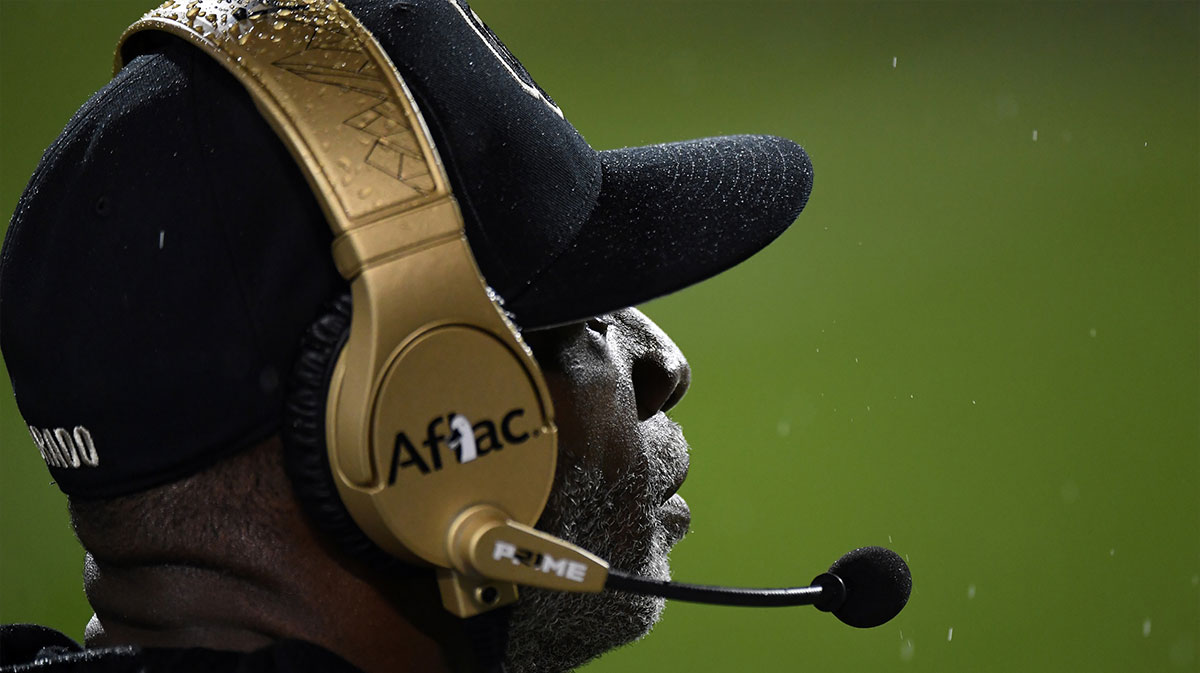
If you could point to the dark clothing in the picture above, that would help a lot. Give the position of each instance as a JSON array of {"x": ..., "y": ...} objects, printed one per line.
[{"x": 37, "y": 649}]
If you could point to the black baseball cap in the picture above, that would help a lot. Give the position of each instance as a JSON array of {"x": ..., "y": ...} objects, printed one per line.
[{"x": 168, "y": 255}]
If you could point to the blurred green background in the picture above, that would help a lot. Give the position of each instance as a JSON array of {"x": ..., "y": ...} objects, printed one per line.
[{"x": 980, "y": 344}]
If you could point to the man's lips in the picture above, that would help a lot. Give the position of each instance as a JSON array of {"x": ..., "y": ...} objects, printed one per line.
[
  {"x": 676, "y": 484},
  {"x": 680, "y": 463},
  {"x": 676, "y": 517}
]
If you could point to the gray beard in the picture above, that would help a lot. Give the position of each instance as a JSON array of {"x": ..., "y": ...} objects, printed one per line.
[{"x": 554, "y": 631}]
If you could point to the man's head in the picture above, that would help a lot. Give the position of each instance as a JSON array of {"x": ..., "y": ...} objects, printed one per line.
[
  {"x": 179, "y": 271},
  {"x": 612, "y": 378}
]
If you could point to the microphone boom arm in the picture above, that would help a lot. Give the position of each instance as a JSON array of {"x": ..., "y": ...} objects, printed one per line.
[{"x": 827, "y": 592}]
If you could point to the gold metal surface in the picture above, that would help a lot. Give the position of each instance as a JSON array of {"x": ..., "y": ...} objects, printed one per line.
[
  {"x": 484, "y": 542},
  {"x": 327, "y": 89},
  {"x": 428, "y": 339},
  {"x": 465, "y": 596},
  {"x": 391, "y": 236}
]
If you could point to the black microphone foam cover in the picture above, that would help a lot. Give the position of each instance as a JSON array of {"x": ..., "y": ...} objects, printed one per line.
[{"x": 877, "y": 586}]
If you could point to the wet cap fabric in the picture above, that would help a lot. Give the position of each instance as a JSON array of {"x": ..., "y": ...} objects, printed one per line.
[{"x": 167, "y": 255}]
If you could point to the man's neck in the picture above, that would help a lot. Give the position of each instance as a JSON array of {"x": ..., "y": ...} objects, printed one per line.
[{"x": 178, "y": 605}]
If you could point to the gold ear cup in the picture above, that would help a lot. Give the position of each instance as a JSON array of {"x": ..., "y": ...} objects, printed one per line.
[{"x": 431, "y": 459}]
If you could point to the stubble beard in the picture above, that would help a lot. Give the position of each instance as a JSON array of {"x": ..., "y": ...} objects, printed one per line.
[{"x": 617, "y": 519}]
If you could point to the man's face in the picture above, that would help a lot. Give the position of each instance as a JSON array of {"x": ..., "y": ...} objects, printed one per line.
[{"x": 620, "y": 462}]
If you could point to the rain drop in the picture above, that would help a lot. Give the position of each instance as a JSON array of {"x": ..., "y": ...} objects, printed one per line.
[
  {"x": 1146, "y": 628},
  {"x": 1035, "y": 135},
  {"x": 906, "y": 651},
  {"x": 161, "y": 234},
  {"x": 970, "y": 592},
  {"x": 893, "y": 62},
  {"x": 950, "y": 635}
]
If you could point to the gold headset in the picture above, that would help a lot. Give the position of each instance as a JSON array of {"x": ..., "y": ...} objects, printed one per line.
[{"x": 439, "y": 427}]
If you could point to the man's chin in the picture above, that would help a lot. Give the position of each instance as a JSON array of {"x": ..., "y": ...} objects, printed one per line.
[{"x": 557, "y": 631}]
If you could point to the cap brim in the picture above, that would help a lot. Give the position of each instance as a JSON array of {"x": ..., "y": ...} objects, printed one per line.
[{"x": 669, "y": 216}]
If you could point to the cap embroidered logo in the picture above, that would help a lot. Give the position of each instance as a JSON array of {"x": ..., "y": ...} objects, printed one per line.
[
  {"x": 63, "y": 448},
  {"x": 511, "y": 64}
]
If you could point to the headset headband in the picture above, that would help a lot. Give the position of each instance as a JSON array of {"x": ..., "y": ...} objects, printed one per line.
[{"x": 422, "y": 311}]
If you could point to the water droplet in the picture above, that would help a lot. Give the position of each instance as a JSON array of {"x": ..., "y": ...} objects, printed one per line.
[
  {"x": 284, "y": 12},
  {"x": 191, "y": 13},
  {"x": 161, "y": 234},
  {"x": 279, "y": 25},
  {"x": 1035, "y": 135},
  {"x": 893, "y": 61},
  {"x": 970, "y": 591},
  {"x": 1146, "y": 628},
  {"x": 1092, "y": 332},
  {"x": 364, "y": 192},
  {"x": 950, "y": 634},
  {"x": 906, "y": 651}
]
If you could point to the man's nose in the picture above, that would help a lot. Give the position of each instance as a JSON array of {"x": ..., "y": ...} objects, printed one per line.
[
  {"x": 659, "y": 371},
  {"x": 659, "y": 382}
]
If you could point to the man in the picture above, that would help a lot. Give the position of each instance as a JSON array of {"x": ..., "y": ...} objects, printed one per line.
[{"x": 167, "y": 277}]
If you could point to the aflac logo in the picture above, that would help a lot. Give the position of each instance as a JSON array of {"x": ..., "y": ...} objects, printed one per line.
[{"x": 468, "y": 442}]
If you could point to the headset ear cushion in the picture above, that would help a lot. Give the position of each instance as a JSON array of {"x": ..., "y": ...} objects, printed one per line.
[{"x": 305, "y": 455}]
